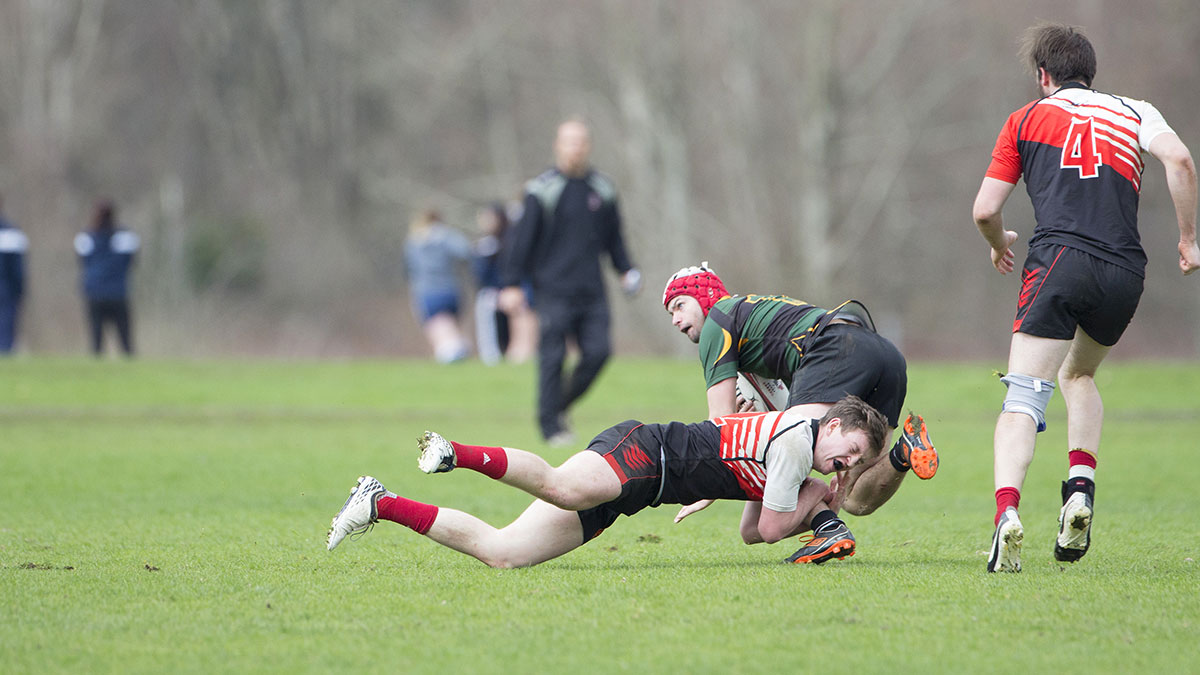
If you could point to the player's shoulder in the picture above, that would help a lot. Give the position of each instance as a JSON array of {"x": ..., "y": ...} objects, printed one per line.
[
  {"x": 802, "y": 422},
  {"x": 780, "y": 298},
  {"x": 125, "y": 241},
  {"x": 1138, "y": 107},
  {"x": 727, "y": 304},
  {"x": 544, "y": 181},
  {"x": 13, "y": 240},
  {"x": 603, "y": 184}
]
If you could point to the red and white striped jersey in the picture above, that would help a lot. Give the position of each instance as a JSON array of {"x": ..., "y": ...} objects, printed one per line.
[
  {"x": 769, "y": 453},
  {"x": 1080, "y": 151}
]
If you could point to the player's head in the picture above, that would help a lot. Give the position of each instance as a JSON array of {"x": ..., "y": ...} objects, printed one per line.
[
  {"x": 1061, "y": 50},
  {"x": 699, "y": 282},
  {"x": 104, "y": 214},
  {"x": 688, "y": 296},
  {"x": 572, "y": 146},
  {"x": 851, "y": 432}
]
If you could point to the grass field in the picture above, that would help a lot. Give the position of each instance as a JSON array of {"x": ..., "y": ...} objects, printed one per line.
[{"x": 171, "y": 516}]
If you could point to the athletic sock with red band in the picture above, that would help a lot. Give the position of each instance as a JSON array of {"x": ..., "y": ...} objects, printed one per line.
[
  {"x": 490, "y": 461},
  {"x": 407, "y": 512},
  {"x": 1006, "y": 497},
  {"x": 1082, "y": 464}
]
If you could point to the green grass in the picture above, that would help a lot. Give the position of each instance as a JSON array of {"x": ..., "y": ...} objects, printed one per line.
[{"x": 170, "y": 516}]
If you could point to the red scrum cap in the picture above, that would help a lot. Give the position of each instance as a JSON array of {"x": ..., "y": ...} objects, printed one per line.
[{"x": 701, "y": 283}]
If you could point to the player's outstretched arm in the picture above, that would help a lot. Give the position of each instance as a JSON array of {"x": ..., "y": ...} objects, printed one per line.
[
  {"x": 689, "y": 509},
  {"x": 1181, "y": 183},
  {"x": 989, "y": 204}
]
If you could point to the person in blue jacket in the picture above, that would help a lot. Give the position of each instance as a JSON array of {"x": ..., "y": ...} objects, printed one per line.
[
  {"x": 106, "y": 254},
  {"x": 13, "y": 245}
]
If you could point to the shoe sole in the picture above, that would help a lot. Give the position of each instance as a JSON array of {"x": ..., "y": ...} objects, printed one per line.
[
  {"x": 1010, "y": 561},
  {"x": 842, "y": 549},
  {"x": 922, "y": 458},
  {"x": 431, "y": 460},
  {"x": 1079, "y": 524}
]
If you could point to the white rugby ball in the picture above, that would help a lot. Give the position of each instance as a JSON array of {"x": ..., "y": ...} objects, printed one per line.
[{"x": 764, "y": 394}]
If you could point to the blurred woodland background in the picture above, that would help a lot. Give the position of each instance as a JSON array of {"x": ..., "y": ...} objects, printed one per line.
[{"x": 271, "y": 153}]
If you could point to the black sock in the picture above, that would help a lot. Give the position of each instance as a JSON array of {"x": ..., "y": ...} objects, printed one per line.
[
  {"x": 825, "y": 520},
  {"x": 897, "y": 457}
]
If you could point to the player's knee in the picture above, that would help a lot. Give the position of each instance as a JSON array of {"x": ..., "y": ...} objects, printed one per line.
[
  {"x": 570, "y": 498},
  {"x": 1029, "y": 396},
  {"x": 1075, "y": 379},
  {"x": 856, "y": 508},
  {"x": 505, "y": 560}
]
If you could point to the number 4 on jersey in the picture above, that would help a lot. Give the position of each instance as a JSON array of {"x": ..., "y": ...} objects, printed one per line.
[{"x": 1079, "y": 150}]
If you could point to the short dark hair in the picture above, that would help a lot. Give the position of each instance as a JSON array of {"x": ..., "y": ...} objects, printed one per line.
[
  {"x": 1062, "y": 50},
  {"x": 104, "y": 214},
  {"x": 855, "y": 414}
]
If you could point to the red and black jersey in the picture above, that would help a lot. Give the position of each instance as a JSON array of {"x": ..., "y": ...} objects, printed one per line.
[{"x": 1080, "y": 151}]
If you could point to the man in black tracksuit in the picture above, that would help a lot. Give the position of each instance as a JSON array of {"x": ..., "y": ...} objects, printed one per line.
[{"x": 570, "y": 219}]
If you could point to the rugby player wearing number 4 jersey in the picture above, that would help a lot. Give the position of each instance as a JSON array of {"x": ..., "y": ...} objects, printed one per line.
[
  {"x": 822, "y": 355},
  {"x": 764, "y": 458},
  {"x": 1080, "y": 151}
]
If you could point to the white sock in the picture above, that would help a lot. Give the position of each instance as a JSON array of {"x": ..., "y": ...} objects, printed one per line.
[{"x": 1082, "y": 471}]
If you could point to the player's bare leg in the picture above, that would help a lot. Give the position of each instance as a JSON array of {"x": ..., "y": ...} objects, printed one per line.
[
  {"x": 1085, "y": 418},
  {"x": 1014, "y": 442},
  {"x": 1016, "y": 433},
  {"x": 1076, "y": 378},
  {"x": 583, "y": 481},
  {"x": 542, "y": 532}
]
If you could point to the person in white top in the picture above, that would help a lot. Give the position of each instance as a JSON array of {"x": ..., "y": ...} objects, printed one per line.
[{"x": 763, "y": 458}]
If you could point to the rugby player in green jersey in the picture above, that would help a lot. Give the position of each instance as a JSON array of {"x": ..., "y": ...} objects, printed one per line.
[{"x": 821, "y": 355}]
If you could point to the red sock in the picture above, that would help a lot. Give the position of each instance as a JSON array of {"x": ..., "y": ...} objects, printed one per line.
[
  {"x": 408, "y": 513},
  {"x": 1077, "y": 457},
  {"x": 1006, "y": 497},
  {"x": 490, "y": 461}
]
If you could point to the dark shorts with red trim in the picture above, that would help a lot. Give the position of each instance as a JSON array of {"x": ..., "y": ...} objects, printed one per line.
[
  {"x": 672, "y": 463},
  {"x": 1063, "y": 288},
  {"x": 635, "y": 452},
  {"x": 850, "y": 359}
]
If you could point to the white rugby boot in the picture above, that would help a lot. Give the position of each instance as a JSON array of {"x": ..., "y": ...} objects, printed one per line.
[
  {"x": 359, "y": 512},
  {"x": 437, "y": 455},
  {"x": 1075, "y": 520},
  {"x": 1005, "y": 555}
]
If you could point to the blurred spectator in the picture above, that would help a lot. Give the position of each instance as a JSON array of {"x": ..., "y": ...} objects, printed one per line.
[
  {"x": 510, "y": 335},
  {"x": 491, "y": 325},
  {"x": 570, "y": 220},
  {"x": 430, "y": 255},
  {"x": 13, "y": 244},
  {"x": 106, "y": 253}
]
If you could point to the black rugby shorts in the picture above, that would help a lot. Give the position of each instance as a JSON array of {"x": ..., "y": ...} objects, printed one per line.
[
  {"x": 1063, "y": 288},
  {"x": 849, "y": 359},
  {"x": 635, "y": 456}
]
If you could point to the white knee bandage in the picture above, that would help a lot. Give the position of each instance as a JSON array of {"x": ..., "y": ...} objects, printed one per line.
[{"x": 1028, "y": 395}]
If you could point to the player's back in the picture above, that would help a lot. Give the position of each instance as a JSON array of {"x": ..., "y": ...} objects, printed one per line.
[
  {"x": 755, "y": 334},
  {"x": 1080, "y": 151}
]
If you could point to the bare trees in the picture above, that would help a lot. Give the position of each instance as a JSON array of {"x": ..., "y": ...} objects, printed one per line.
[{"x": 820, "y": 148}]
